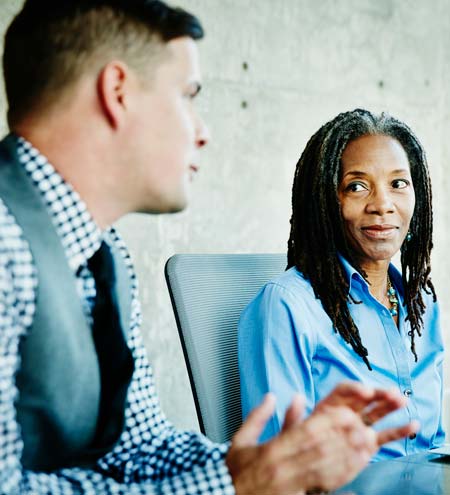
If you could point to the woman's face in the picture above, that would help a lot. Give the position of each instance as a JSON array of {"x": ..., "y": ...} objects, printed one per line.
[{"x": 376, "y": 195}]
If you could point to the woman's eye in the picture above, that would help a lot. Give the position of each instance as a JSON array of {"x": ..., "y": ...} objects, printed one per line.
[
  {"x": 355, "y": 187},
  {"x": 400, "y": 183}
]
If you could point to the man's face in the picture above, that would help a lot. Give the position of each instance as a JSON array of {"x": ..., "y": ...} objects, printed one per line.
[{"x": 165, "y": 132}]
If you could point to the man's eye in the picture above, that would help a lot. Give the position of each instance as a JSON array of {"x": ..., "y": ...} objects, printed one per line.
[{"x": 400, "y": 183}]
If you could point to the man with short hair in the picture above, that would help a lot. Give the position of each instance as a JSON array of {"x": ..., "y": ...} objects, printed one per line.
[{"x": 102, "y": 121}]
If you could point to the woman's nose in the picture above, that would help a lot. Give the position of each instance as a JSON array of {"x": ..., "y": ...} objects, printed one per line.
[{"x": 380, "y": 202}]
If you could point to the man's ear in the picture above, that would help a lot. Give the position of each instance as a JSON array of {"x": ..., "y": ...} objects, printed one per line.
[{"x": 112, "y": 88}]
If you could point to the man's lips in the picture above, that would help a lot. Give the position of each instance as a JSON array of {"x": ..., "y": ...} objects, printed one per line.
[{"x": 384, "y": 231}]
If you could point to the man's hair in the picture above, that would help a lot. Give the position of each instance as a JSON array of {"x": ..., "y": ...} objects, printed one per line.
[
  {"x": 51, "y": 43},
  {"x": 317, "y": 228}
]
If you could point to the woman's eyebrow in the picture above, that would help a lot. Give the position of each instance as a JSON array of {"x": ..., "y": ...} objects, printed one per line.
[
  {"x": 356, "y": 173},
  {"x": 360, "y": 173}
]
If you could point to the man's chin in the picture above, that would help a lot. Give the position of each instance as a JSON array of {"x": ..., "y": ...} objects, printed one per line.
[{"x": 164, "y": 209}]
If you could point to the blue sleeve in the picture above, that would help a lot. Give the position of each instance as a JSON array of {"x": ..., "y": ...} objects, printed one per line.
[
  {"x": 428, "y": 375},
  {"x": 275, "y": 353},
  {"x": 439, "y": 438},
  {"x": 434, "y": 326}
]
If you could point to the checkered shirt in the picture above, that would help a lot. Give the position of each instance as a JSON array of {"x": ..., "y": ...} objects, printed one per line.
[{"x": 151, "y": 457}]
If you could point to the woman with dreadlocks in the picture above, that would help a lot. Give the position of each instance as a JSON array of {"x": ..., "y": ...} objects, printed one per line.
[{"x": 342, "y": 311}]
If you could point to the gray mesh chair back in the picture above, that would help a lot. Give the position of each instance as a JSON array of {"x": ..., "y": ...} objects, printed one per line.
[{"x": 208, "y": 293}]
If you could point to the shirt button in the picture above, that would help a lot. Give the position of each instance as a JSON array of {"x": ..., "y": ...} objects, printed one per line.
[
  {"x": 412, "y": 436},
  {"x": 407, "y": 392}
]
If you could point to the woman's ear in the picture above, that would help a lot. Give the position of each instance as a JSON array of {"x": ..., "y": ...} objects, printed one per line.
[{"x": 112, "y": 88}]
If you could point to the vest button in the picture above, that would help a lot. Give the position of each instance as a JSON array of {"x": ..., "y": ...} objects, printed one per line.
[
  {"x": 412, "y": 436},
  {"x": 407, "y": 392}
]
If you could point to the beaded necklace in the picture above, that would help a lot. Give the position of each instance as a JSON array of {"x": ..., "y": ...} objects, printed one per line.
[{"x": 392, "y": 296}]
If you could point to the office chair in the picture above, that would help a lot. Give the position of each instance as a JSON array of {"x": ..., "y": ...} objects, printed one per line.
[{"x": 208, "y": 293}]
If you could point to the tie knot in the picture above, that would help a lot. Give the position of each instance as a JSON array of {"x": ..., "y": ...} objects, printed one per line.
[{"x": 101, "y": 264}]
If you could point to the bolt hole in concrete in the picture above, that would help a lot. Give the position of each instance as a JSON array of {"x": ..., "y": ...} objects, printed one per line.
[
  {"x": 381, "y": 84},
  {"x": 244, "y": 104},
  {"x": 245, "y": 65}
]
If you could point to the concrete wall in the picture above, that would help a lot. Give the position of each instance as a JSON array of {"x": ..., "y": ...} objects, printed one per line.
[{"x": 273, "y": 73}]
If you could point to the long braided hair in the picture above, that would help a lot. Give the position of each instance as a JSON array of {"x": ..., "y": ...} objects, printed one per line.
[{"x": 317, "y": 233}]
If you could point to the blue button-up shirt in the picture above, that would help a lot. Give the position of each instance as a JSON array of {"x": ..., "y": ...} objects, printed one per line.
[{"x": 287, "y": 344}]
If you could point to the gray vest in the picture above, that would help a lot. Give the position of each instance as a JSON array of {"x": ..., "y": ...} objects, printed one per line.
[{"x": 59, "y": 376}]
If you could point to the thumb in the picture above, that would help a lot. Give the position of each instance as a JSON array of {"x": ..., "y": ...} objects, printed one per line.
[{"x": 252, "y": 427}]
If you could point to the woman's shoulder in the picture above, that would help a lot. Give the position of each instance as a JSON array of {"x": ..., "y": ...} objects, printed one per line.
[{"x": 291, "y": 281}]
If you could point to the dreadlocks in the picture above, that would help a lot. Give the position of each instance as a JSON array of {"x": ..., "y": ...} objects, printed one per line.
[{"x": 317, "y": 233}]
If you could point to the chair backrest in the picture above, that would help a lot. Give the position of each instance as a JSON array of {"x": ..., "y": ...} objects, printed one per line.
[{"x": 208, "y": 293}]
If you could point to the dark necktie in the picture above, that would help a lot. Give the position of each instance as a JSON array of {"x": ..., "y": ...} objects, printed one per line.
[{"x": 115, "y": 359}]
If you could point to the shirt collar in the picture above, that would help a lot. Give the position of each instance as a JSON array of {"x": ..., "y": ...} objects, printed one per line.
[
  {"x": 353, "y": 276},
  {"x": 80, "y": 235}
]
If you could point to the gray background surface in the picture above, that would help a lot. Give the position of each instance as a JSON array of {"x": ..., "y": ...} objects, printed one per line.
[{"x": 274, "y": 72}]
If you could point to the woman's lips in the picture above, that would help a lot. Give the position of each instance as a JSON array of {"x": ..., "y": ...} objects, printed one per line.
[{"x": 379, "y": 231}]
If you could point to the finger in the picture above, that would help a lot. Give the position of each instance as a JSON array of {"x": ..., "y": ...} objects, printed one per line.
[
  {"x": 379, "y": 409},
  {"x": 252, "y": 427},
  {"x": 391, "y": 398},
  {"x": 392, "y": 434},
  {"x": 350, "y": 394},
  {"x": 358, "y": 398},
  {"x": 294, "y": 415}
]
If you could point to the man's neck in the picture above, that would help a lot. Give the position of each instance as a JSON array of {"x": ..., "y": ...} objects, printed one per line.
[{"x": 83, "y": 161}]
